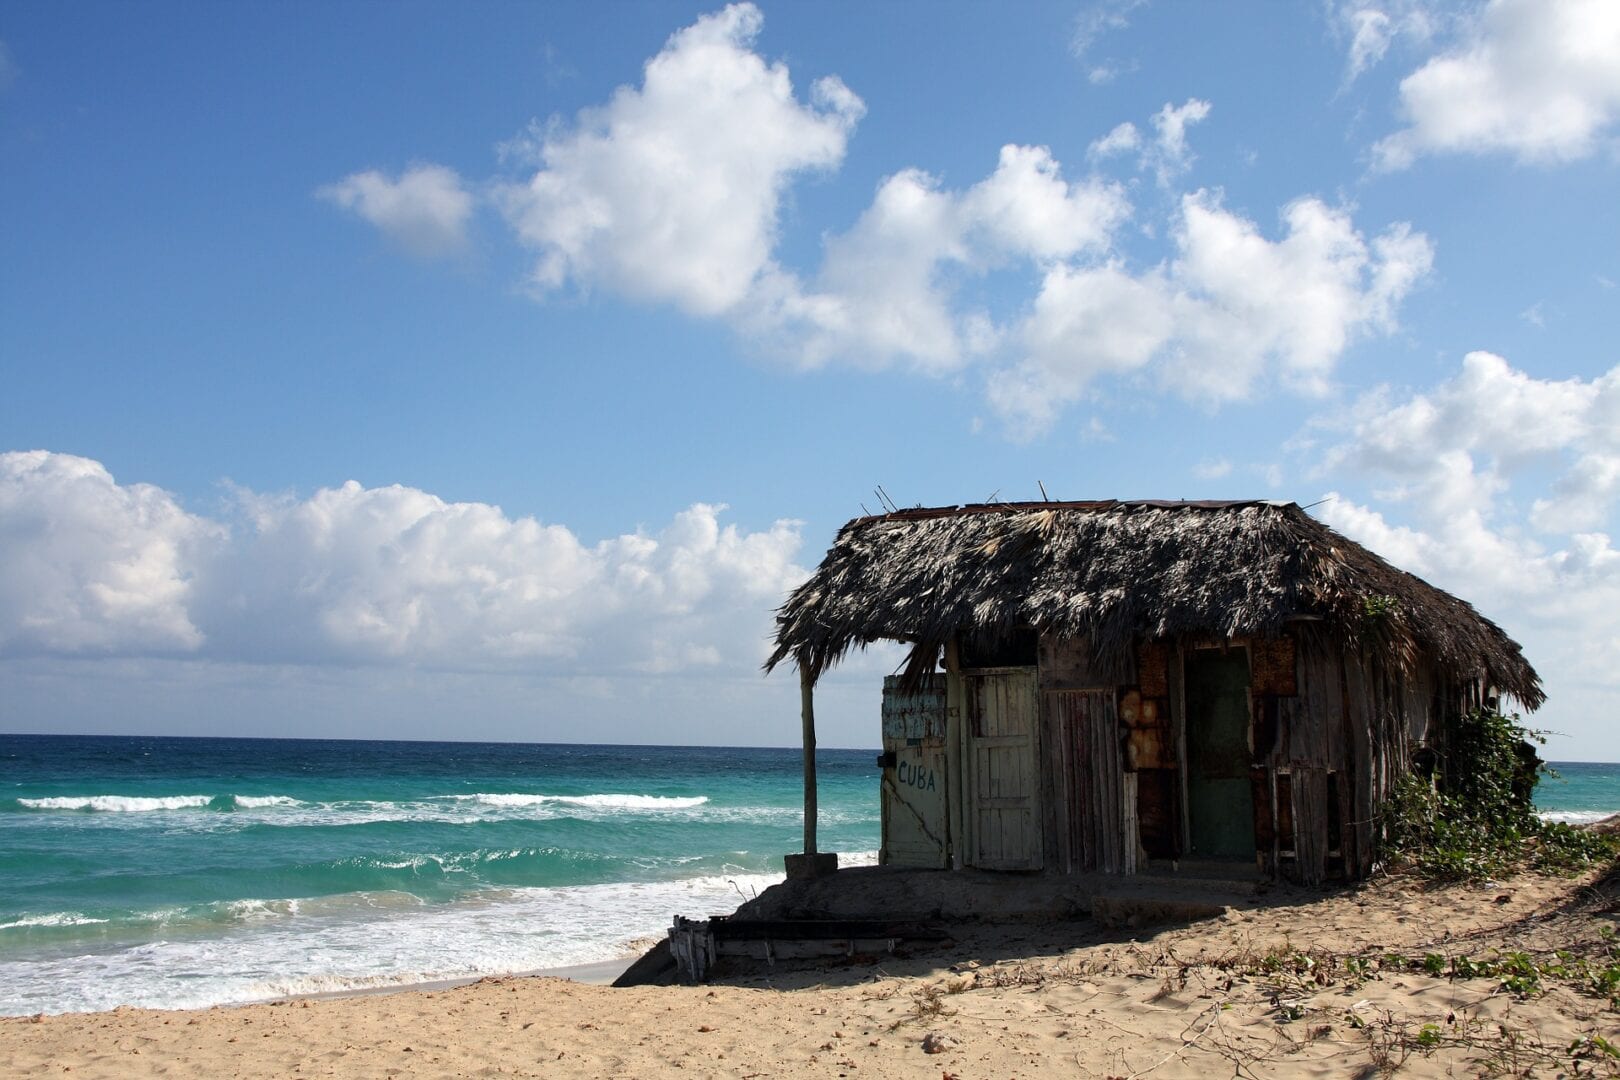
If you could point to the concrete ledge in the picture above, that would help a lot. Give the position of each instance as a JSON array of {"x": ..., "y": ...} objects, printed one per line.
[
  {"x": 802, "y": 867},
  {"x": 895, "y": 892}
]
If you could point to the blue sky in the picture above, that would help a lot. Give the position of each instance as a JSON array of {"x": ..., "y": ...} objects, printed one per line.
[{"x": 493, "y": 371}]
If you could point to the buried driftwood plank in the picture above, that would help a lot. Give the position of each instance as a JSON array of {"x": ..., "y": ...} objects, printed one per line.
[{"x": 691, "y": 945}]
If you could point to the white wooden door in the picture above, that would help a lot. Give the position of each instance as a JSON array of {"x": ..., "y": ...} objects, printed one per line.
[
  {"x": 914, "y": 798},
  {"x": 1004, "y": 768},
  {"x": 914, "y": 807}
]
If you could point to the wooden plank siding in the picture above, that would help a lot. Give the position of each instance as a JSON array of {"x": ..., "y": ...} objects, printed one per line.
[
  {"x": 1066, "y": 767},
  {"x": 1309, "y": 809},
  {"x": 1004, "y": 768},
  {"x": 1094, "y": 788},
  {"x": 914, "y": 783}
]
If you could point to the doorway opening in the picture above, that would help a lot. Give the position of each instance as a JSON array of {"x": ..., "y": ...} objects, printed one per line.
[{"x": 1220, "y": 798}]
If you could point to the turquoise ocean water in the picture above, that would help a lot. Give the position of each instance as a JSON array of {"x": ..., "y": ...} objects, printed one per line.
[
  {"x": 1580, "y": 792},
  {"x": 179, "y": 873}
]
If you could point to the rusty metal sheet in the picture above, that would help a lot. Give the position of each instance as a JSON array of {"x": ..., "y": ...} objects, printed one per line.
[
  {"x": 1271, "y": 664},
  {"x": 1149, "y": 748},
  {"x": 1153, "y": 669},
  {"x": 1065, "y": 664},
  {"x": 1139, "y": 711}
]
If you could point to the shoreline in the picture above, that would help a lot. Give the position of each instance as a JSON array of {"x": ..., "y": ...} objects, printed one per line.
[
  {"x": 592, "y": 973},
  {"x": 597, "y": 973},
  {"x": 1299, "y": 983}
]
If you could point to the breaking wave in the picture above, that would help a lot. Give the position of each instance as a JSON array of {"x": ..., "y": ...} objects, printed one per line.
[
  {"x": 601, "y": 802},
  {"x": 139, "y": 804},
  {"x": 118, "y": 804},
  {"x": 133, "y": 804},
  {"x": 58, "y": 918},
  {"x": 1577, "y": 817}
]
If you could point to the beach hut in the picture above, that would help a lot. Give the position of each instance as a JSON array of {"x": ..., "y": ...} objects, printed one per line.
[{"x": 1124, "y": 686}]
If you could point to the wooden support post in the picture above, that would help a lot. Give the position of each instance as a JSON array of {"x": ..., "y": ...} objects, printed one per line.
[
  {"x": 956, "y": 756},
  {"x": 807, "y": 710},
  {"x": 809, "y": 863}
]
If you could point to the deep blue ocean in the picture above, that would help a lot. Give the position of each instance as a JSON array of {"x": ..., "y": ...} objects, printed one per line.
[
  {"x": 180, "y": 873},
  {"x": 177, "y": 873}
]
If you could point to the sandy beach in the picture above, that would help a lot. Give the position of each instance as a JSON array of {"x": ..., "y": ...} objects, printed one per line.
[{"x": 1298, "y": 983}]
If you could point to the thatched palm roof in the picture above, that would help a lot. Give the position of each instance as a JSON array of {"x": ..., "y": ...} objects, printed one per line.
[{"x": 1118, "y": 572}]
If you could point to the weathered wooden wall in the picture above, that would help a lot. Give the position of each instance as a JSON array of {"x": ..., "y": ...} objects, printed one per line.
[
  {"x": 1331, "y": 732},
  {"x": 1331, "y": 753},
  {"x": 914, "y": 786},
  {"x": 1089, "y": 783},
  {"x": 1005, "y": 768}
]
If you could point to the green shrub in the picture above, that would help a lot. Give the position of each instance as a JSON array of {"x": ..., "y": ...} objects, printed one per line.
[{"x": 1478, "y": 820}]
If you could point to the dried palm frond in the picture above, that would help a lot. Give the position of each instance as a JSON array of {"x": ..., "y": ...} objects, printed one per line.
[{"x": 1116, "y": 573}]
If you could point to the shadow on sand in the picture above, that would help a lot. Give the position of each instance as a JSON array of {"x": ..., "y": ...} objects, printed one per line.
[{"x": 984, "y": 916}]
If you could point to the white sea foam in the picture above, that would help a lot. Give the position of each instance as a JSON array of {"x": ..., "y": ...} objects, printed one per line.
[
  {"x": 601, "y": 802},
  {"x": 251, "y": 910},
  {"x": 55, "y": 918},
  {"x": 134, "y": 804},
  {"x": 263, "y": 802},
  {"x": 369, "y": 940},
  {"x": 1577, "y": 817},
  {"x": 118, "y": 804},
  {"x": 289, "y": 811}
]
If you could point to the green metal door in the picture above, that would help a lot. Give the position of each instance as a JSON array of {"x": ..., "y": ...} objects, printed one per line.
[{"x": 1220, "y": 801}]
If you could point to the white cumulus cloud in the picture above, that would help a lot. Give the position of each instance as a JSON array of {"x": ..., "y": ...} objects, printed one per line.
[
  {"x": 1371, "y": 27},
  {"x": 1167, "y": 154},
  {"x": 1457, "y": 446},
  {"x": 1123, "y": 139},
  {"x": 378, "y": 576},
  {"x": 426, "y": 210},
  {"x": 1502, "y": 488},
  {"x": 1537, "y": 79},
  {"x": 1171, "y": 155},
  {"x": 1558, "y": 600},
  {"x": 1093, "y": 23},
  {"x": 91, "y": 566},
  {"x": 671, "y": 191},
  {"x": 887, "y": 290},
  {"x": 1229, "y": 308}
]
